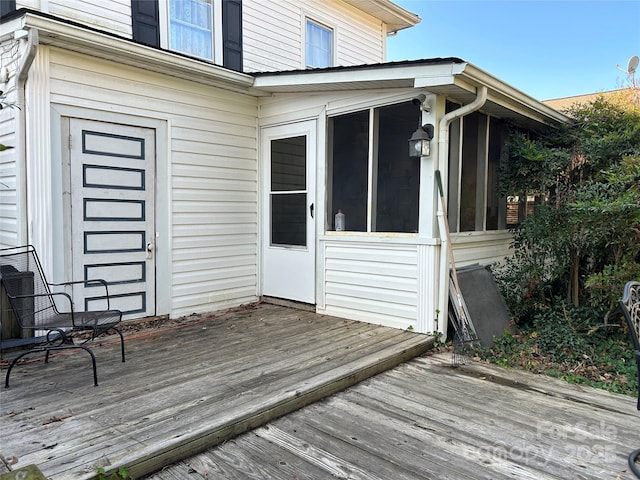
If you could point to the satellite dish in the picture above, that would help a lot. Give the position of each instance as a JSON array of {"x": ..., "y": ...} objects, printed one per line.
[{"x": 633, "y": 65}]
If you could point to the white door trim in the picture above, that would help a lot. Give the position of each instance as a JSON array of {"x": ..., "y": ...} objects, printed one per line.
[{"x": 288, "y": 271}]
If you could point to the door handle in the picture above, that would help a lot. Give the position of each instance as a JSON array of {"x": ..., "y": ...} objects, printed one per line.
[
  {"x": 150, "y": 248},
  {"x": 311, "y": 210}
]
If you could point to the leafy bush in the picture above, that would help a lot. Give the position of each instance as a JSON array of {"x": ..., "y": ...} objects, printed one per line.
[
  {"x": 574, "y": 254},
  {"x": 570, "y": 343}
]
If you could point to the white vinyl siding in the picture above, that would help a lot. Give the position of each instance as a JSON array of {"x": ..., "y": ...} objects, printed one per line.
[
  {"x": 8, "y": 179},
  {"x": 481, "y": 247},
  {"x": 9, "y": 175},
  {"x": 113, "y": 16},
  {"x": 373, "y": 283},
  {"x": 212, "y": 189},
  {"x": 274, "y": 34}
]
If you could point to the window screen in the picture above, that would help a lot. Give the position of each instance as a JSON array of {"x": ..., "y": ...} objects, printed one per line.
[{"x": 373, "y": 180}]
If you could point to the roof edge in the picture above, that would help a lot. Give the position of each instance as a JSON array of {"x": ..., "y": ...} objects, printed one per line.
[
  {"x": 77, "y": 37},
  {"x": 393, "y": 15},
  {"x": 480, "y": 77}
]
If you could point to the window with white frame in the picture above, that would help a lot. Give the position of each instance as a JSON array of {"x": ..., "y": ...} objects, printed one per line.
[
  {"x": 191, "y": 27},
  {"x": 319, "y": 45},
  {"x": 208, "y": 29}
]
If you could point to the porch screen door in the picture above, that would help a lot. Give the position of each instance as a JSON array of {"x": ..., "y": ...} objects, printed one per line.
[{"x": 289, "y": 209}]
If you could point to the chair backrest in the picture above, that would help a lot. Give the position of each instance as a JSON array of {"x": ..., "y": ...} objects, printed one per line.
[
  {"x": 630, "y": 305},
  {"x": 26, "y": 287}
]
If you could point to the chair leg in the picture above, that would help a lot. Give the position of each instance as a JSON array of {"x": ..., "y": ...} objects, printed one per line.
[
  {"x": 86, "y": 349},
  {"x": 115, "y": 329},
  {"x": 635, "y": 467},
  {"x": 121, "y": 342},
  {"x": 93, "y": 361},
  {"x": 638, "y": 386},
  {"x": 13, "y": 362}
]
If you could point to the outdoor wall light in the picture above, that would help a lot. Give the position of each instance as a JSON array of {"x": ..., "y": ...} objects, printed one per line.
[{"x": 420, "y": 141}]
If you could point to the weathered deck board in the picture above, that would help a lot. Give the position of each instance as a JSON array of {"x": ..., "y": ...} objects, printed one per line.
[
  {"x": 186, "y": 387},
  {"x": 426, "y": 420}
]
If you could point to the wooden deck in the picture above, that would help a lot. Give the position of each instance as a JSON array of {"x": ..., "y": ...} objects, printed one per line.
[
  {"x": 186, "y": 386},
  {"x": 426, "y": 420}
]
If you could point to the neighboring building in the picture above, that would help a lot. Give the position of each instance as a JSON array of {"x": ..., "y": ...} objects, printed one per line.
[
  {"x": 624, "y": 95},
  {"x": 196, "y": 163}
]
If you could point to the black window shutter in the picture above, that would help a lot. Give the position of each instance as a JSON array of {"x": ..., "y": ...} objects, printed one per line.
[
  {"x": 145, "y": 22},
  {"x": 7, "y": 6},
  {"x": 232, "y": 34}
]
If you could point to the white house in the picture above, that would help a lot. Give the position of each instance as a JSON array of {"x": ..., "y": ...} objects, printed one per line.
[{"x": 194, "y": 154}]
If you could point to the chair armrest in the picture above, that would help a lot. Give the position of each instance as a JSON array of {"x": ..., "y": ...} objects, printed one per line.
[
  {"x": 50, "y": 296},
  {"x": 36, "y": 295},
  {"x": 95, "y": 281}
]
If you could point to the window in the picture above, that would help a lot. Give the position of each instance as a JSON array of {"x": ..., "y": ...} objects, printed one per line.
[
  {"x": 288, "y": 191},
  {"x": 475, "y": 151},
  {"x": 496, "y": 205},
  {"x": 191, "y": 27},
  {"x": 319, "y": 45},
  {"x": 371, "y": 177},
  {"x": 472, "y": 179},
  {"x": 208, "y": 29}
]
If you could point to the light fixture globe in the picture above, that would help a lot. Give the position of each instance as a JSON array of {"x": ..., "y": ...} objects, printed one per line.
[{"x": 420, "y": 142}]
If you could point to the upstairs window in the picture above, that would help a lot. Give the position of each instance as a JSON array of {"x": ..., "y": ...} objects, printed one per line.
[
  {"x": 191, "y": 27},
  {"x": 319, "y": 45},
  {"x": 207, "y": 29}
]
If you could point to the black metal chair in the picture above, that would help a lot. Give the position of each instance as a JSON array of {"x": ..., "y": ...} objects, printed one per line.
[
  {"x": 36, "y": 309},
  {"x": 630, "y": 305}
]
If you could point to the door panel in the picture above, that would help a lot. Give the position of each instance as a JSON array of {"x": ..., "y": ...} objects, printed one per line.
[
  {"x": 112, "y": 170},
  {"x": 289, "y": 223}
]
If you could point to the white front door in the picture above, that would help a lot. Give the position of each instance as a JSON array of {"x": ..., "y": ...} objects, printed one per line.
[
  {"x": 289, "y": 211},
  {"x": 112, "y": 179}
]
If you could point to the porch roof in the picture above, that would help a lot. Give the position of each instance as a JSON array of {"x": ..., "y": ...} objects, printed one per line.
[{"x": 452, "y": 77}]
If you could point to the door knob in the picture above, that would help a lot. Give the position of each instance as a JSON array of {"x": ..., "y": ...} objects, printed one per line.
[{"x": 150, "y": 248}]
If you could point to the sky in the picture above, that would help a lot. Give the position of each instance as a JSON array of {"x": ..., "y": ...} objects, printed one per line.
[{"x": 545, "y": 48}]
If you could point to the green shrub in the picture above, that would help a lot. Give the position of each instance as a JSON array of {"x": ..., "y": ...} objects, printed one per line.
[{"x": 571, "y": 343}]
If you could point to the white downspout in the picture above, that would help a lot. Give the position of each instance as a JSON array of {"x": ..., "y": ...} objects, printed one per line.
[
  {"x": 443, "y": 152},
  {"x": 22, "y": 74}
]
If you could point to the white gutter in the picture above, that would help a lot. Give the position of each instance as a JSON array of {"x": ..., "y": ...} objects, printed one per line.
[
  {"x": 443, "y": 151},
  {"x": 510, "y": 97},
  {"x": 98, "y": 44},
  {"x": 22, "y": 74}
]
